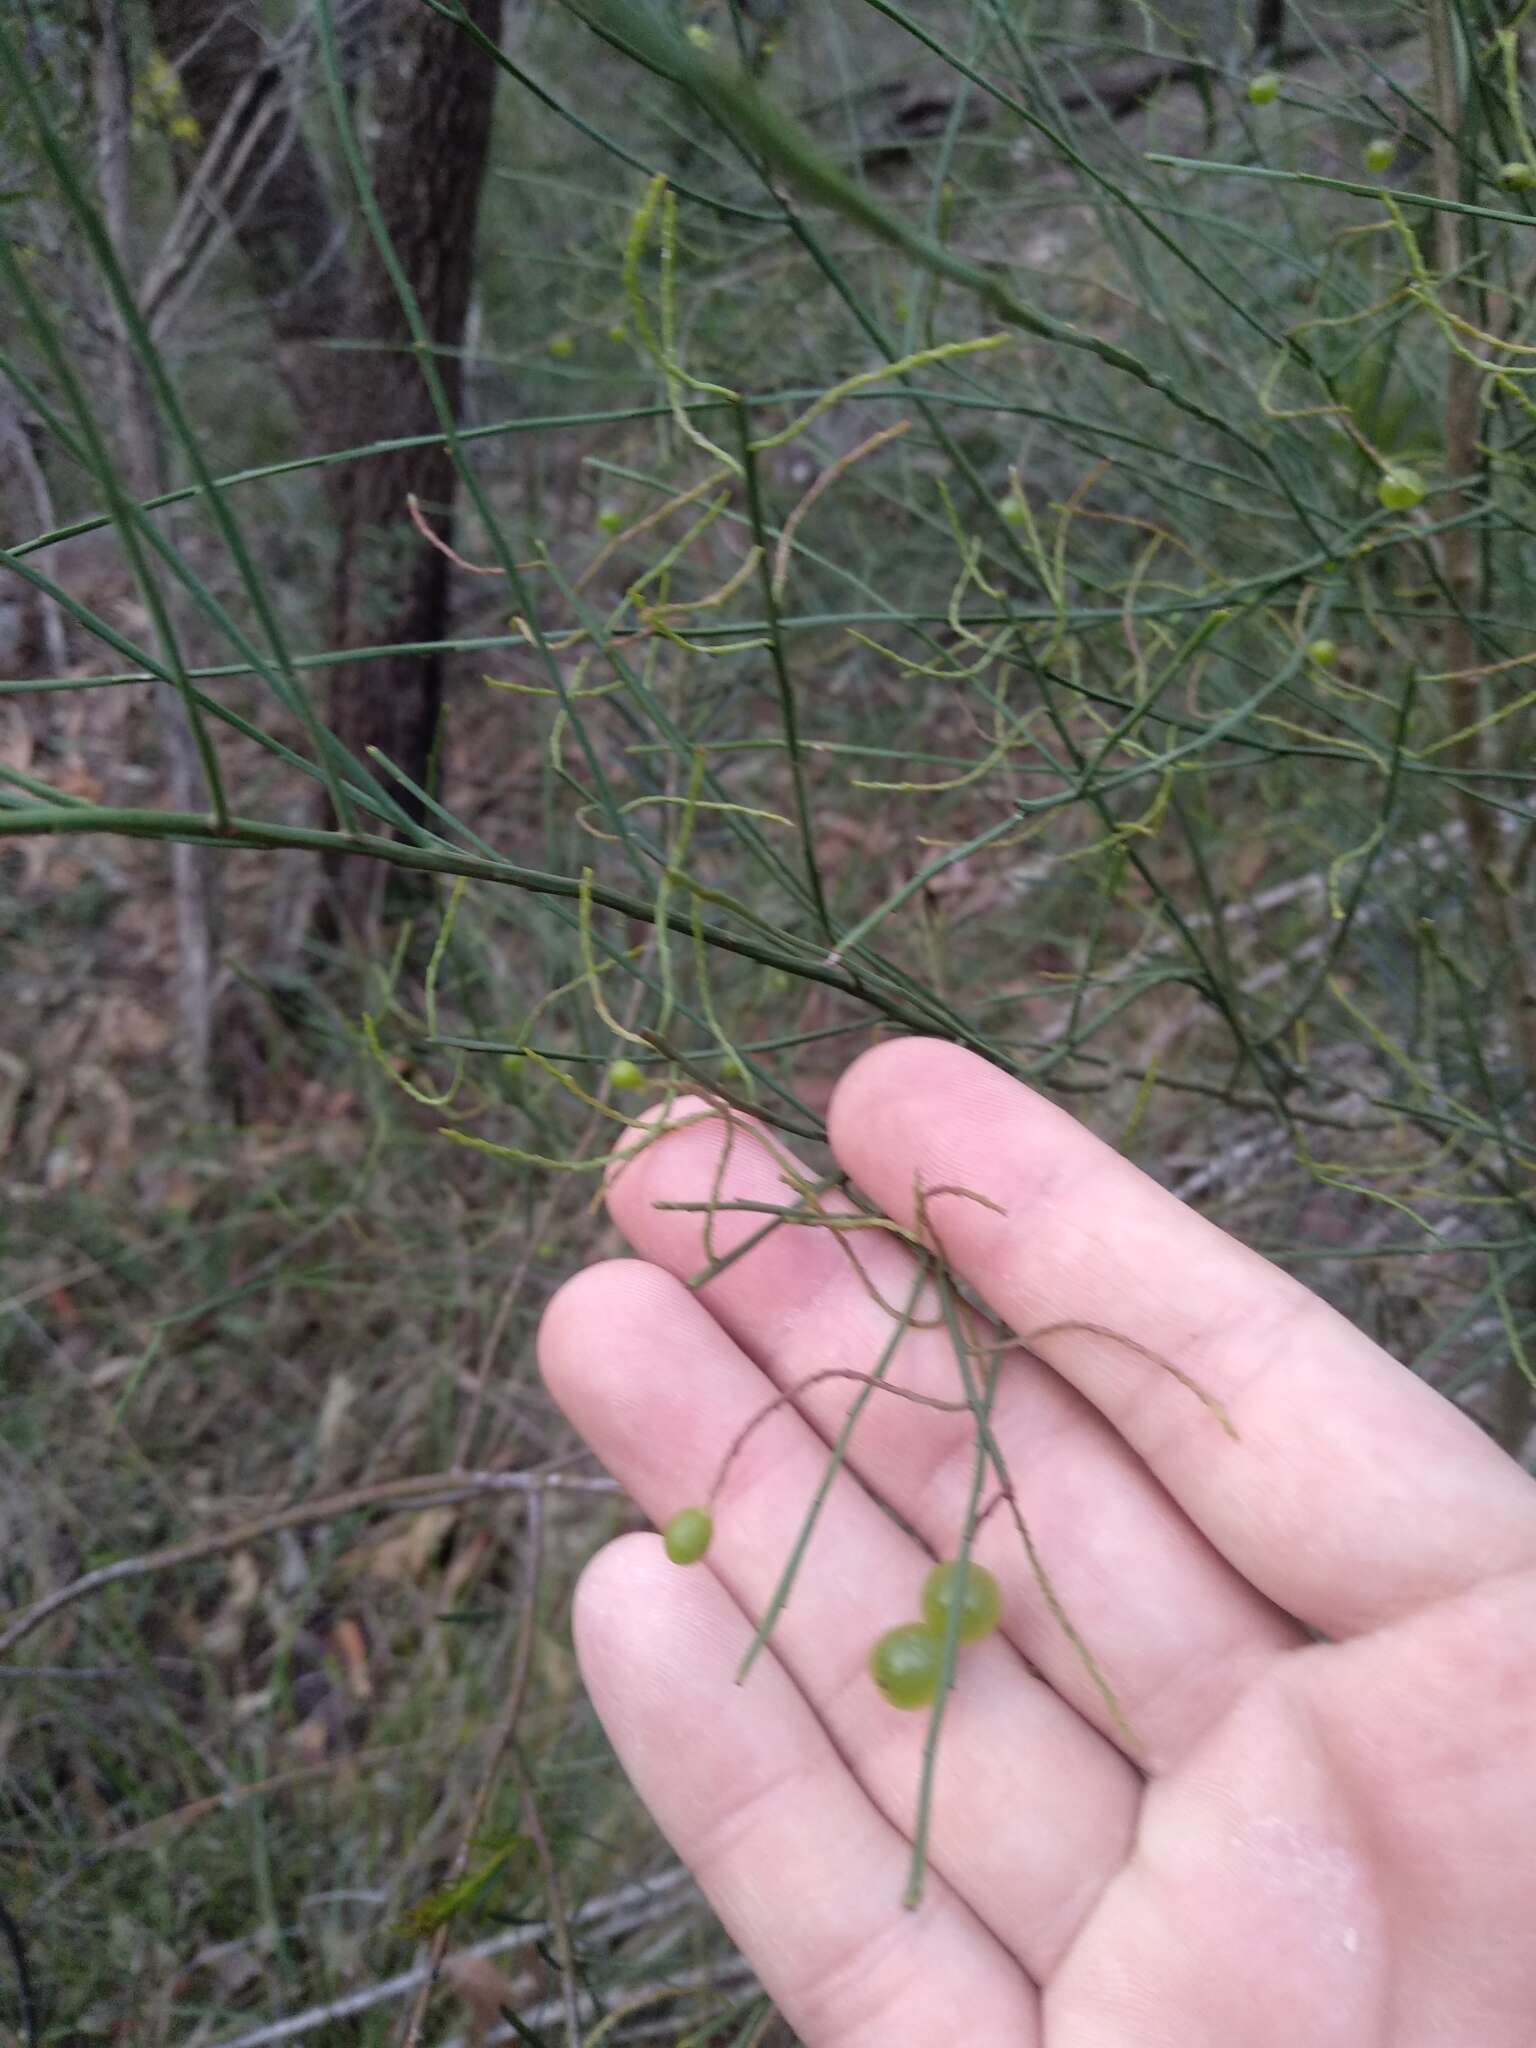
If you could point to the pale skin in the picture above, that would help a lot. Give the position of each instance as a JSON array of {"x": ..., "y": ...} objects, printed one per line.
[{"x": 1311, "y": 1844}]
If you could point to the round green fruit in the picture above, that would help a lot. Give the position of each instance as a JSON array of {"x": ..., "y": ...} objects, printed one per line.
[
  {"x": 609, "y": 518},
  {"x": 1401, "y": 489},
  {"x": 980, "y": 1609},
  {"x": 625, "y": 1077},
  {"x": 1264, "y": 88},
  {"x": 687, "y": 1535},
  {"x": 561, "y": 346},
  {"x": 1517, "y": 177},
  {"x": 1324, "y": 652},
  {"x": 1380, "y": 153},
  {"x": 1013, "y": 509},
  {"x": 906, "y": 1663}
]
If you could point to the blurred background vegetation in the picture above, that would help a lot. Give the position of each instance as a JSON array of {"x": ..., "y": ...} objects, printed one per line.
[{"x": 536, "y": 535}]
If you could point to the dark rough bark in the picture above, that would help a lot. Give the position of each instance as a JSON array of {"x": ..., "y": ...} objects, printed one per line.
[
  {"x": 1268, "y": 25},
  {"x": 430, "y": 94},
  {"x": 290, "y": 234}
]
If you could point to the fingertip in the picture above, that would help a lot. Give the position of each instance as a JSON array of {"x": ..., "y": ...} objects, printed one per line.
[
  {"x": 635, "y": 1155},
  {"x": 657, "y": 1189},
  {"x": 571, "y": 1307},
  {"x": 588, "y": 1326},
  {"x": 625, "y": 1575},
  {"x": 897, "y": 1087},
  {"x": 649, "y": 1633},
  {"x": 617, "y": 1588}
]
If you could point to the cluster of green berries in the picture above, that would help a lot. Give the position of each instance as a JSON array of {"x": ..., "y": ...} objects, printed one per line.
[
  {"x": 1379, "y": 154},
  {"x": 907, "y": 1662}
]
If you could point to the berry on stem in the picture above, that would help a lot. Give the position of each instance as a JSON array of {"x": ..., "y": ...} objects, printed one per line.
[
  {"x": 906, "y": 1663},
  {"x": 1380, "y": 153},
  {"x": 686, "y": 1536},
  {"x": 625, "y": 1077},
  {"x": 1324, "y": 652},
  {"x": 980, "y": 1609},
  {"x": 1517, "y": 177},
  {"x": 1264, "y": 88},
  {"x": 1401, "y": 489}
]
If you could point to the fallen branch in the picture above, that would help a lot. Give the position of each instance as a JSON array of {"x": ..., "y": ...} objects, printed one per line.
[
  {"x": 435, "y": 1489},
  {"x": 602, "y": 1919}
]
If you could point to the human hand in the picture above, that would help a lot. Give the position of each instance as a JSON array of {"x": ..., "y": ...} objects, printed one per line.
[{"x": 1316, "y": 1845}]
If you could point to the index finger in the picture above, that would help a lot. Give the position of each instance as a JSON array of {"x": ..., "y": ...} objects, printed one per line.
[{"x": 1353, "y": 1492}]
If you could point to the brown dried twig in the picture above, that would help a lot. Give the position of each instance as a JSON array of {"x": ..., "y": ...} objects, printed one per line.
[
  {"x": 419, "y": 521},
  {"x": 501, "y": 1739},
  {"x": 824, "y": 482},
  {"x": 434, "y": 1489}
]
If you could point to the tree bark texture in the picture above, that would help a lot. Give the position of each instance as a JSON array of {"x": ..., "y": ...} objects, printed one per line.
[
  {"x": 429, "y": 95},
  {"x": 1268, "y": 25},
  {"x": 432, "y": 94}
]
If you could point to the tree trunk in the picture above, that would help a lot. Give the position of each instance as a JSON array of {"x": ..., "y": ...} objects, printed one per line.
[
  {"x": 1268, "y": 26},
  {"x": 432, "y": 95},
  {"x": 430, "y": 100}
]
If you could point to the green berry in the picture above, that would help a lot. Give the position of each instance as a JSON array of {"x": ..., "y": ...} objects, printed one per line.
[
  {"x": 1401, "y": 489},
  {"x": 1517, "y": 177},
  {"x": 702, "y": 38},
  {"x": 1263, "y": 88},
  {"x": 618, "y": 331},
  {"x": 906, "y": 1663},
  {"x": 1324, "y": 652},
  {"x": 561, "y": 345},
  {"x": 609, "y": 518},
  {"x": 982, "y": 1606},
  {"x": 1013, "y": 509},
  {"x": 513, "y": 1062},
  {"x": 625, "y": 1077},
  {"x": 687, "y": 1535},
  {"x": 1380, "y": 153}
]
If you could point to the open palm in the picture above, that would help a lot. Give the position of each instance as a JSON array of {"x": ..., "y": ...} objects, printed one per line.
[{"x": 1314, "y": 1842}]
